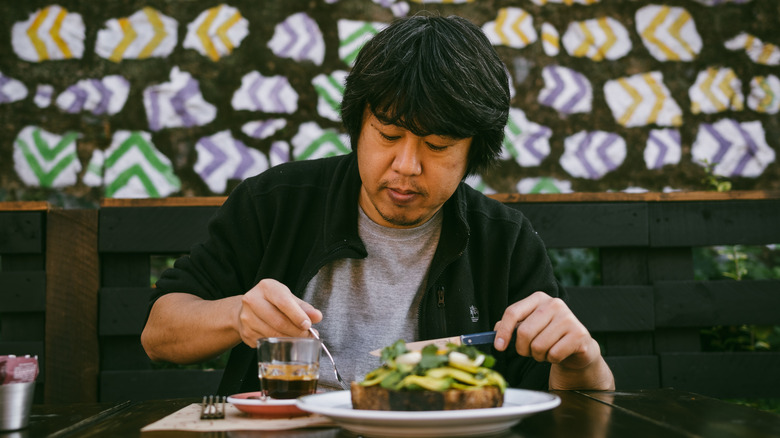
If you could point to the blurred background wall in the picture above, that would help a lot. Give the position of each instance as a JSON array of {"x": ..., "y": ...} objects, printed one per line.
[{"x": 188, "y": 97}]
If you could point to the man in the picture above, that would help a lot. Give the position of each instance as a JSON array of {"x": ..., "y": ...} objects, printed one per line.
[{"x": 386, "y": 242}]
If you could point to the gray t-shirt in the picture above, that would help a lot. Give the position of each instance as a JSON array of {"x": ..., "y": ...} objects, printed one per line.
[{"x": 370, "y": 303}]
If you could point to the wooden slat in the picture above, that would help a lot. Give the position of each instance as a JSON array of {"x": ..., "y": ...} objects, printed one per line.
[
  {"x": 613, "y": 308},
  {"x": 702, "y": 304},
  {"x": 626, "y": 343},
  {"x": 153, "y": 230},
  {"x": 623, "y": 266},
  {"x": 23, "y": 291},
  {"x": 588, "y": 225},
  {"x": 26, "y": 326},
  {"x": 125, "y": 270},
  {"x": 722, "y": 374},
  {"x": 634, "y": 372},
  {"x": 21, "y": 232},
  {"x": 638, "y": 197},
  {"x": 123, "y": 353},
  {"x": 24, "y": 206},
  {"x": 714, "y": 223},
  {"x": 71, "y": 306},
  {"x": 123, "y": 310},
  {"x": 158, "y": 384},
  {"x": 190, "y": 201}
]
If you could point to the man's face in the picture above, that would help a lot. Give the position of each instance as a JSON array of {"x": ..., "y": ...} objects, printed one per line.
[{"x": 406, "y": 178}]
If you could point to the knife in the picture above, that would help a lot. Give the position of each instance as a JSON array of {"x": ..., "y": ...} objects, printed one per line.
[{"x": 472, "y": 339}]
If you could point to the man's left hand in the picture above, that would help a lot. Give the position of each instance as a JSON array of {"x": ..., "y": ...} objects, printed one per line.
[{"x": 548, "y": 331}]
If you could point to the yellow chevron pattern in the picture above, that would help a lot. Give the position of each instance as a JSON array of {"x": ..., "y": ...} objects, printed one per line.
[
  {"x": 203, "y": 33},
  {"x": 145, "y": 34},
  {"x": 51, "y": 33},
  {"x": 716, "y": 90},
  {"x": 598, "y": 39},
  {"x": 669, "y": 33},
  {"x": 765, "y": 94},
  {"x": 217, "y": 31},
  {"x": 758, "y": 51},
  {"x": 641, "y": 100},
  {"x": 513, "y": 27},
  {"x": 551, "y": 40},
  {"x": 566, "y": 2}
]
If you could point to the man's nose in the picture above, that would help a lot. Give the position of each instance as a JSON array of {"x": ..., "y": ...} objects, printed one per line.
[{"x": 407, "y": 159}]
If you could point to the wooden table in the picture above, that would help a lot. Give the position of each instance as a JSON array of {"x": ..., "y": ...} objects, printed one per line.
[{"x": 635, "y": 414}]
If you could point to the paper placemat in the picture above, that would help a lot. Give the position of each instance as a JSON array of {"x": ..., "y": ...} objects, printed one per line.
[{"x": 188, "y": 418}]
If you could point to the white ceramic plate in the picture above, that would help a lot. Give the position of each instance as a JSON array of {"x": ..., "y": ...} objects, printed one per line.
[{"x": 518, "y": 403}]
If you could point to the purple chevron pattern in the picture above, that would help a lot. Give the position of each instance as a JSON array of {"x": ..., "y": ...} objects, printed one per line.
[
  {"x": 267, "y": 94},
  {"x": 593, "y": 154},
  {"x": 525, "y": 141},
  {"x": 222, "y": 157},
  {"x": 720, "y": 2},
  {"x": 734, "y": 148},
  {"x": 566, "y": 90},
  {"x": 98, "y": 96},
  {"x": 664, "y": 146},
  {"x": 177, "y": 103},
  {"x": 263, "y": 128},
  {"x": 279, "y": 153},
  {"x": 298, "y": 37},
  {"x": 43, "y": 95},
  {"x": 11, "y": 90}
]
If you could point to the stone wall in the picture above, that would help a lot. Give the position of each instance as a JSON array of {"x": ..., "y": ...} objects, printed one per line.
[{"x": 187, "y": 97}]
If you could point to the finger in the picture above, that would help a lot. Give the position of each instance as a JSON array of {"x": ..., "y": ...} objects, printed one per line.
[
  {"x": 288, "y": 304},
  {"x": 512, "y": 316},
  {"x": 535, "y": 335},
  {"x": 314, "y": 314},
  {"x": 575, "y": 350}
]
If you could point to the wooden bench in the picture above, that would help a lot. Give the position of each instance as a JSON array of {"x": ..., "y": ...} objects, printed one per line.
[
  {"x": 647, "y": 312},
  {"x": 48, "y": 296},
  {"x": 23, "y": 282}
]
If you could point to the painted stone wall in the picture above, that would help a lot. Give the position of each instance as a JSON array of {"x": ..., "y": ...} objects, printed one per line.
[{"x": 188, "y": 97}]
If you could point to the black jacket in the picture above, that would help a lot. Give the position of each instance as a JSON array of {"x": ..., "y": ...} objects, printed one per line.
[{"x": 291, "y": 220}]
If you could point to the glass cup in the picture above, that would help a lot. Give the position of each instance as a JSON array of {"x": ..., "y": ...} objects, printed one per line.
[{"x": 288, "y": 367}]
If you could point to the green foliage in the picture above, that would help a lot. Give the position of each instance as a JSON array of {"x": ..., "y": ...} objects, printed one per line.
[
  {"x": 741, "y": 338},
  {"x": 712, "y": 181},
  {"x": 764, "y": 404},
  {"x": 736, "y": 262},
  {"x": 739, "y": 263},
  {"x": 576, "y": 266},
  {"x": 158, "y": 264}
]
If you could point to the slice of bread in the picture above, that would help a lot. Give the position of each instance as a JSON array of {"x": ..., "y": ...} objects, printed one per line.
[{"x": 378, "y": 398}]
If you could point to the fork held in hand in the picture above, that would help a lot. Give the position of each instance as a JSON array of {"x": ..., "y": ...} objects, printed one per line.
[
  {"x": 344, "y": 385},
  {"x": 212, "y": 408}
]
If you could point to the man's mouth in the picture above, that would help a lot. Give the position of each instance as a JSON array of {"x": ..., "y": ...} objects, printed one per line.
[{"x": 401, "y": 196}]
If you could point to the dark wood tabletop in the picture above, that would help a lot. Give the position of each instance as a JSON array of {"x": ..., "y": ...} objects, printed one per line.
[{"x": 635, "y": 414}]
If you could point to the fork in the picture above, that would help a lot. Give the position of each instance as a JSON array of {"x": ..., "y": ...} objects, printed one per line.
[
  {"x": 212, "y": 408},
  {"x": 343, "y": 384}
]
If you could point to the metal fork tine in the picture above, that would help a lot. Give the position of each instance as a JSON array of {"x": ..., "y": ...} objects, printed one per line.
[{"x": 210, "y": 408}]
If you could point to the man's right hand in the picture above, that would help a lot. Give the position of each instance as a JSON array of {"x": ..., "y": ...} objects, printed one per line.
[
  {"x": 184, "y": 328},
  {"x": 270, "y": 309}
]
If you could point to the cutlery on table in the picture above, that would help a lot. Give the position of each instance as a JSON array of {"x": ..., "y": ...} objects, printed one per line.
[
  {"x": 212, "y": 408},
  {"x": 343, "y": 384},
  {"x": 472, "y": 339}
]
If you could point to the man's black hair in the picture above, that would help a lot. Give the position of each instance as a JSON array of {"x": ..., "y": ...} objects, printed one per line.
[{"x": 432, "y": 75}]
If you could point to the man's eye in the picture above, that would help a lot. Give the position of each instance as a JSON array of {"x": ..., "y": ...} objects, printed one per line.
[
  {"x": 436, "y": 148},
  {"x": 389, "y": 137}
]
